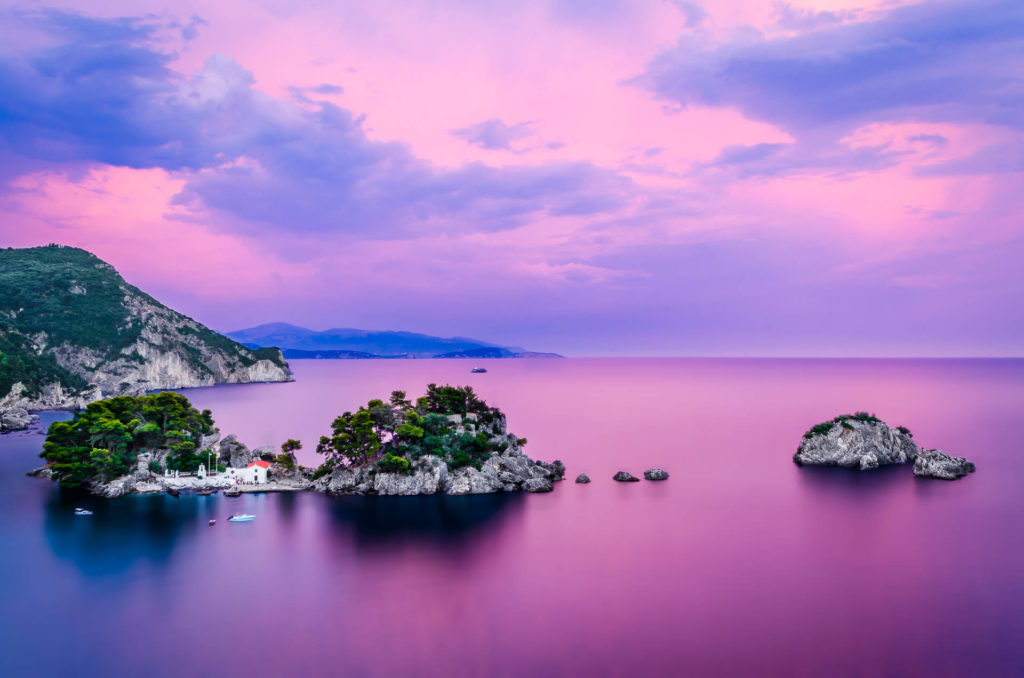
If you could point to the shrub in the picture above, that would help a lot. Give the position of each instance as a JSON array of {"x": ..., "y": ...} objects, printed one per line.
[
  {"x": 820, "y": 429},
  {"x": 393, "y": 464}
]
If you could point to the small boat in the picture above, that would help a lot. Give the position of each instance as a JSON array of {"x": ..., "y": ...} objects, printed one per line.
[
  {"x": 212, "y": 522},
  {"x": 478, "y": 370},
  {"x": 204, "y": 493},
  {"x": 232, "y": 493},
  {"x": 82, "y": 512},
  {"x": 241, "y": 518}
]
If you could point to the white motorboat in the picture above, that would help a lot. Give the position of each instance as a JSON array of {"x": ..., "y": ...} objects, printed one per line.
[
  {"x": 241, "y": 518},
  {"x": 82, "y": 512}
]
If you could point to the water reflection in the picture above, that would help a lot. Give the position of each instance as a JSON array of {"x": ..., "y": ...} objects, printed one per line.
[
  {"x": 836, "y": 481},
  {"x": 121, "y": 532},
  {"x": 436, "y": 518}
]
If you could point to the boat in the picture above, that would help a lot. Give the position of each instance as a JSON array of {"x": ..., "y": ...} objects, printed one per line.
[
  {"x": 241, "y": 518},
  {"x": 478, "y": 370},
  {"x": 82, "y": 512},
  {"x": 232, "y": 493},
  {"x": 212, "y": 522}
]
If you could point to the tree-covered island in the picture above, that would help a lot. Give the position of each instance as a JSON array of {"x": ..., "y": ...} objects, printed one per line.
[{"x": 448, "y": 441}]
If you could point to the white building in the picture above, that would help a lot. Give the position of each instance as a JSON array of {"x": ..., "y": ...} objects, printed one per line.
[{"x": 256, "y": 472}]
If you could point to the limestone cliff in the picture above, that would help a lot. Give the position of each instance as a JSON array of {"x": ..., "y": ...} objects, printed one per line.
[{"x": 73, "y": 331}]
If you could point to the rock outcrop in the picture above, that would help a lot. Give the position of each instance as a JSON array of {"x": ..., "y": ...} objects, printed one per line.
[
  {"x": 864, "y": 442},
  {"x": 510, "y": 471},
  {"x": 936, "y": 464},
  {"x": 14, "y": 414},
  {"x": 855, "y": 441},
  {"x": 625, "y": 477},
  {"x": 655, "y": 474},
  {"x": 233, "y": 453},
  {"x": 582, "y": 479}
]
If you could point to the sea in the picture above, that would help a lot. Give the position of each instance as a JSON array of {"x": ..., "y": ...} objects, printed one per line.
[{"x": 740, "y": 564}]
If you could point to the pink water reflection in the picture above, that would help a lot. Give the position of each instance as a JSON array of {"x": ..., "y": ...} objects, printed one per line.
[{"x": 742, "y": 563}]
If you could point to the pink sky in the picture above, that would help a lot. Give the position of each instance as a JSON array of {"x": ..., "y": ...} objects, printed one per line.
[{"x": 593, "y": 178}]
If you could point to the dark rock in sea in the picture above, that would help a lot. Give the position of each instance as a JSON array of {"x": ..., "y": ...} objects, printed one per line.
[
  {"x": 655, "y": 474},
  {"x": 583, "y": 479},
  {"x": 624, "y": 477},
  {"x": 173, "y": 492},
  {"x": 41, "y": 472},
  {"x": 936, "y": 464},
  {"x": 855, "y": 441}
]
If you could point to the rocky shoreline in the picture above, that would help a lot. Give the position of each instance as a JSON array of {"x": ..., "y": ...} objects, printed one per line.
[{"x": 511, "y": 471}]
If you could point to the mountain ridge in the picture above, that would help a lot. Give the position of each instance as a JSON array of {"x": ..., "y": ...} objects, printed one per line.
[{"x": 345, "y": 343}]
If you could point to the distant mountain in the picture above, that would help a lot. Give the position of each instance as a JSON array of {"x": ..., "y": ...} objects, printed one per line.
[
  {"x": 73, "y": 331},
  {"x": 497, "y": 352},
  {"x": 347, "y": 343}
]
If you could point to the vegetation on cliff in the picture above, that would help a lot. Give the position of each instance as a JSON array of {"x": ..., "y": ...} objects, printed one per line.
[
  {"x": 449, "y": 422},
  {"x": 104, "y": 441},
  {"x": 844, "y": 420},
  {"x": 57, "y": 300}
]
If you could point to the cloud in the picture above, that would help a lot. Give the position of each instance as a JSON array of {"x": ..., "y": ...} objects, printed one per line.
[
  {"x": 494, "y": 134},
  {"x": 102, "y": 91},
  {"x": 693, "y": 13},
  {"x": 937, "y": 61},
  {"x": 805, "y": 19}
]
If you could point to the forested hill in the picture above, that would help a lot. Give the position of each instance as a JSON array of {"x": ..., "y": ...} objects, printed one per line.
[{"x": 72, "y": 330}]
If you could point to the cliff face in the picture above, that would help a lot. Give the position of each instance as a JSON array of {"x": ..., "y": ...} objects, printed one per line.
[{"x": 73, "y": 331}]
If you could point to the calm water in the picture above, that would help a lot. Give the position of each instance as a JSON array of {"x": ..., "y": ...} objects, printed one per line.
[{"x": 741, "y": 563}]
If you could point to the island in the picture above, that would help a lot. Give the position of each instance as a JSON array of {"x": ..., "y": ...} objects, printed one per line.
[
  {"x": 448, "y": 441},
  {"x": 863, "y": 441}
]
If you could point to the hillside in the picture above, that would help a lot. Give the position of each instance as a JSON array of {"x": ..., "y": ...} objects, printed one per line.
[
  {"x": 73, "y": 331},
  {"x": 354, "y": 343}
]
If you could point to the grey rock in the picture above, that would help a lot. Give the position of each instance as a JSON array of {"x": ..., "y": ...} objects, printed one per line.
[
  {"x": 427, "y": 479},
  {"x": 936, "y": 464},
  {"x": 266, "y": 453},
  {"x": 624, "y": 477},
  {"x": 583, "y": 478},
  {"x": 14, "y": 414},
  {"x": 345, "y": 480},
  {"x": 559, "y": 468},
  {"x": 856, "y": 444},
  {"x": 207, "y": 442},
  {"x": 233, "y": 453},
  {"x": 655, "y": 474},
  {"x": 538, "y": 485}
]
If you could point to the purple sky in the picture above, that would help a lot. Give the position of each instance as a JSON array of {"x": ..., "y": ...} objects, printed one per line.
[{"x": 594, "y": 177}]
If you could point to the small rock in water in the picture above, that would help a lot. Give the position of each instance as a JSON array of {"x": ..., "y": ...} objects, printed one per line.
[
  {"x": 583, "y": 479},
  {"x": 624, "y": 477},
  {"x": 936, "y": 464},
  {"x": 655, "y": 474}
]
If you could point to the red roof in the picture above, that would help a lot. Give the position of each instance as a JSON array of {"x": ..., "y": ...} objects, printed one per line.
[{"x": 261, "y": 463}]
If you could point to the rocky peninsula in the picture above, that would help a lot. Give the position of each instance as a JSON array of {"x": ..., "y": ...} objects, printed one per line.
[
  {"x": 863, "y": 441},
  {"x": 448, "y": 442},
  {"x": 72, "y": 332}
]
